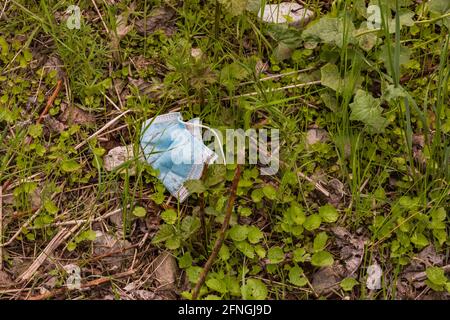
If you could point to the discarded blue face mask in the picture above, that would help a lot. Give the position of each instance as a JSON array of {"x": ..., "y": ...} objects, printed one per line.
[{"x": 175, "y": 148}]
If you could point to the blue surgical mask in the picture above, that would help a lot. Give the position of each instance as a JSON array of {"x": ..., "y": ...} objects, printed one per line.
[{"x": 175, "y": 148}]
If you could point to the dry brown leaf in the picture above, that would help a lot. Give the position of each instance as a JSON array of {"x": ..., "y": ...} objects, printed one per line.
[
  {"x": 161, "y": 18},
  {"x": 74, "y": 115},
  {"x": 325, "y": 280},
  {"x": 5, "y": 279}
]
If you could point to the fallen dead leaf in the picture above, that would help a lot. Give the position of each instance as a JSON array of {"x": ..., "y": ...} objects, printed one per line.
[
  {"x": 161, "y": 18},
  {"x": 74, "y": 115},
  {"x": 5, "y": 279},
  {"x": 325, "y": 280},
  {"x": 351, "y": 249}
]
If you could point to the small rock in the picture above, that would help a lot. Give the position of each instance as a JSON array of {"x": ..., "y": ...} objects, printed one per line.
[
  {"x": 286, "y": 12},
  {"x": 117, "y": 156},
  {"x": 166, "y": 270},
  {"x": 316, "y": 135},
  {"x": 162, "y": 18}
]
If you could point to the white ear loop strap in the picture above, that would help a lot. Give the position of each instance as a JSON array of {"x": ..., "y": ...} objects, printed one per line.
[{"x": 208, "y": 128}]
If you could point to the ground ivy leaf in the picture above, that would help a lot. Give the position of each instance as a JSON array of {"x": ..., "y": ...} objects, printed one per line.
[
  {"x": 296, "y": 214},
  {"x": 238, "y": 233},
  {"x": 312, "y": 222},
  {"x": 328, "y": 213},
  {"x": 173, "y": 243},
  {"x": 185, "y": 260},
  {"x": 320, "y": 241},
  {"x": 245, "y": 248},
  {"x": 70, "y": 166},
  {"x": 254, "y": 235},
  {"x": 217, "y": 285},
  {"x": 275, "y": 255},
  {"x": 436, "y": 275},
  {"x": 366, "y": 109},
  {"x": 169, "y": 216},
  {"x": 269, "y": 192},
  {"x": 296, "y": 276},
  {"x": 322, "y": 259},
  {"x": 348, "y": 283},
  {"x": 195, "y": 186},
  {"x": 164, "y": 233},
  {"x": 189, "y": 226},
  {"x": 254, "y": 289},
  {"x": 139, "y": 212}
]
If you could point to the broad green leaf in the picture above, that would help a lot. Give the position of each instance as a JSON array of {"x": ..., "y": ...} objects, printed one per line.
[
  {"x": 193, "y": 273},
  {"x": 245, "y": 212},
  {"x": 189, "y": 226},
  {"x": 322, "y": 259},
  {"x": 330, "y": 76},
  {"x": 173, "y": 243},
  {"x": 246, "y": 248},
  {"x": 195, "y": 186},
  {"x": 269, "y": 192},
  {"x": 185, "y": 260},
  {"x": 331, "y": 31},
  {"x": 320, "y": 241},
  {"x": 169, "y": 216},
  {"x": 254, "y": 235},
  {"x": 436, "y": 275},
  {"x": 224, "y": 253},
  {"x": 296, "y": 214},
  {"x": 70, "y": 166},
  {"x": 275, "y": 255},
  {"x": 217, "y": 285},
  {"x": 164, "y": 233},
  {"x": 50, "y": 207},
  {"x": 297, "y": 277},
  {"x": 312, "y": 222},
  {"x": 419, "y": 239},
  {"x": 366, "y": 109},
  {"x": 139, "y": 212},
  {"x": 299, "y": 255},
  {"x": 328, "y": 213},
  {"x": 35, "y": 130},
  {"x": 348, "y": 283},
  {"x": 238, "y": 232},
  {"x": 4, "y": 47},
  {"x": 254, "y": 289},
  {"x": 257, "y": 195}
]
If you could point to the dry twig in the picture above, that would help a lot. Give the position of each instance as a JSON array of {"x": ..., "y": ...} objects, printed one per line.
[{"x": 221, "y": 236}]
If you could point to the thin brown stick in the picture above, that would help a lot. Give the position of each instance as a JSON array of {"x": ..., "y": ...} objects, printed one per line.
[
  {"x": 50, "y": 101},
  {"x": 221, "y": 237}
]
